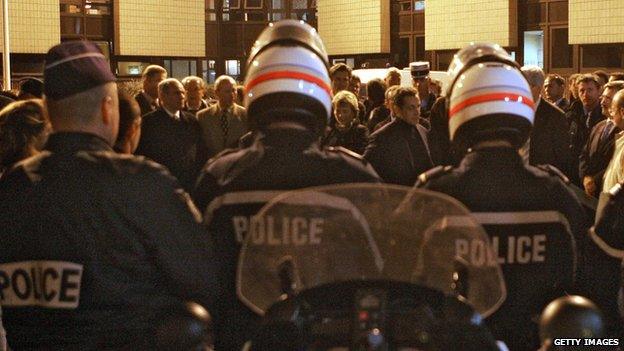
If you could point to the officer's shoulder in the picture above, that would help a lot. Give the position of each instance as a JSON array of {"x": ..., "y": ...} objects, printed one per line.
[
  {"x": 433, "y": 174},
  {"x": 551, "y": 171}
]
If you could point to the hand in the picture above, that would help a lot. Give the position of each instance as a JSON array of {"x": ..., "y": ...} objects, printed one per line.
[{"x": 589, "y": 185}]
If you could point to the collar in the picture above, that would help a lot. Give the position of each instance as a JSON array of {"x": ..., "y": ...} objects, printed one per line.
[
  {"x": 226, "y": 110},
  {"x": 493, "y": 157},
  {"x": 537, "y": 104},
  {"x": 587, "y": 112},
  {"x": 70, "y": 142},
  {"x": 287, "y": 138},
  {"x": 559, "y": 101},
  {"x": 149, "y": 99},
  {"x": 174, "y": 115}
]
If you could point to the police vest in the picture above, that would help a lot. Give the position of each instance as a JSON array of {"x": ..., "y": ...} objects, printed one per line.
[{"x": 536, "y": 251}]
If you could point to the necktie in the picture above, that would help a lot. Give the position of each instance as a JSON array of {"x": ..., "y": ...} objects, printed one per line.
[
  {"x": 606, "y": 131},
  {"x": 224, "y": 124}
]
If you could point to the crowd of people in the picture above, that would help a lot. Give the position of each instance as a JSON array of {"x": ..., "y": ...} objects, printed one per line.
[{"x": 96, "y": 241}]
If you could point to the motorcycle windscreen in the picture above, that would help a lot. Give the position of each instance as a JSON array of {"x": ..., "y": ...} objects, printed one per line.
[
  {"x": 447, "y": 250},
  {"x": 310, "y": 237}
]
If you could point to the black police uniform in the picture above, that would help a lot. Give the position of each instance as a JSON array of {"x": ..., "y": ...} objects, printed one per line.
[
  {"x": 94, "y": 245},
  {"x": 238, "y": 183},
  {"x": 495, "y": 180}
]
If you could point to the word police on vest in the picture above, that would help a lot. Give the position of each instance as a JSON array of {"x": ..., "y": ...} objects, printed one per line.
[
  {"x": 52, "y": 284},
  {"x": 266, "y": 230},
  {"x": 514, "y": 250}
]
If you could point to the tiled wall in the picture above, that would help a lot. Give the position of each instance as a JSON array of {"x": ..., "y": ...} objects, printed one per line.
[
  {"x": 451, "y": 24},
  {"x": 354, "y": 26},
  {"x": 596, "y": 22},
  {"x": 34, "y": 26},
  {"x": 160, "y": 27}
]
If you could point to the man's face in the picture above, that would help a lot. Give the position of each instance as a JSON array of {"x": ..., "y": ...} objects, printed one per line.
[
  {"x": 226, "y": 93},
  {"x": 340, "y": 81},
  {"x": 354, "y": 87},
  {"x": 552, "y": 90},
  {"x": 410, "y": 111},
  {"x": 194, "y": 92},
  {"x": 173, "y": 98},
  {"x": 393, "y": 79},
  {"x": 588, "y": 93},
  {"x": 422, "y": 85},
  {"x": 150, "y": 84},
  {"x": 617, "y": 113},
  {"x": 605, "y": 101}
]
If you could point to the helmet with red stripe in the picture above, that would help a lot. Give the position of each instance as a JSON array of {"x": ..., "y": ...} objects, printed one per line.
[
  {"x": 287, "y": 77},
  {"x": 489, "y": 98}
]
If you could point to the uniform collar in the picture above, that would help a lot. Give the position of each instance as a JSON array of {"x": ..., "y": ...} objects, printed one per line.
[
  {"x": 287, "y": 138},
  {"x": 72, "y": 142},
  {"x": 493, "y": 157}
]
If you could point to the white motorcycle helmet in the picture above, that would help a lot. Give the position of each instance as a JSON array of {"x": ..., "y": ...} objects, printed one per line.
[
  {"x": 488, "y": 97},
  {"x": 287, "y": 77}
]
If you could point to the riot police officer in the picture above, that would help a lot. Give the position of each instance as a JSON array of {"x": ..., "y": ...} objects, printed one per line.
[
  {"x": 95, "y": 245},
  {"x": 288, "y": 101},
  {"x": 490, "y": 117}
]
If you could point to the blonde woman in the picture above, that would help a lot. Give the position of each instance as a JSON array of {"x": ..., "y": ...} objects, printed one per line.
[{"x": 346, "y": 131}]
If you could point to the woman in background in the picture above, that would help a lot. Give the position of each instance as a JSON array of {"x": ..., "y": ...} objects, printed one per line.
[
  {"x": 24, "y": 130},
  {"x": 129, "y": 124},
  {"x": 347, "y": 131}
]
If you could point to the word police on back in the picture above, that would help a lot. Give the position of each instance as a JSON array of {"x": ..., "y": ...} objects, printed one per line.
[
  {"x": 521, "y": 249},
  {"x": 267, "y": 230},
  {"x": 52, "y": 284}
]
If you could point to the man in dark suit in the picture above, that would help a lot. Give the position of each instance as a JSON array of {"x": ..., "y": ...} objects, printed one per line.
[
  {"x": 599, "y": 148},
  {"x": 173, "y": 137},
  {"x": 583, "y": 117},
  {"x": 548, "y": 142},
  {"x": 148, "y": 97},
  {"x": 399, "y": 151},
  {"x": 225, "y": 122},
  {"x": 554, "y": 87}
]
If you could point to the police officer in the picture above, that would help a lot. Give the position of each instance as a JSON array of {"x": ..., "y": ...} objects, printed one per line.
[
  {"x": 288, "y": 99},
  {"x": 490, "y": 117},
  {"x": 609, "y": 228},
  {"x": 94, "y": 244}
]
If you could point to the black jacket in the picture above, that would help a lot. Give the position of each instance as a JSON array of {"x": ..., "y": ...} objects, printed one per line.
[
  {"x": 579, "y": 130},
  {"x": 355, "y": 138},
  {"x": 110, "y": 240},
  {"x": 495, "y": 180},
  {"x": 175, "y": 144},
  {"x": 377, "y": 115},
  {"x": 597, "y": 153},
  {"x": 398, "y": 152},
  {"x": 144, "y": 104},
  {"x": 237, "y": 183},
  {"x": 549, "y": 139}
]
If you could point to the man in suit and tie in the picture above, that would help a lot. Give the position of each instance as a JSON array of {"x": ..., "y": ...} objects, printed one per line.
[
  {"x": 173, "y": 137},
  {"x": 148, "y": 97},
  {"x": 599, "y": 148},
  {"x": 554, "y": 87},
  {"x": 548, "y": 141},
  {"x": 583, "y": 117},
  {"x": 225, "y": 122}
]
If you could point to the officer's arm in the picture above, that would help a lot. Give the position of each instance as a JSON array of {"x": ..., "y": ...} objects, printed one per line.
[
  {"x": 176, "y": 241},
  {"x": 610, "y": 221}
]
